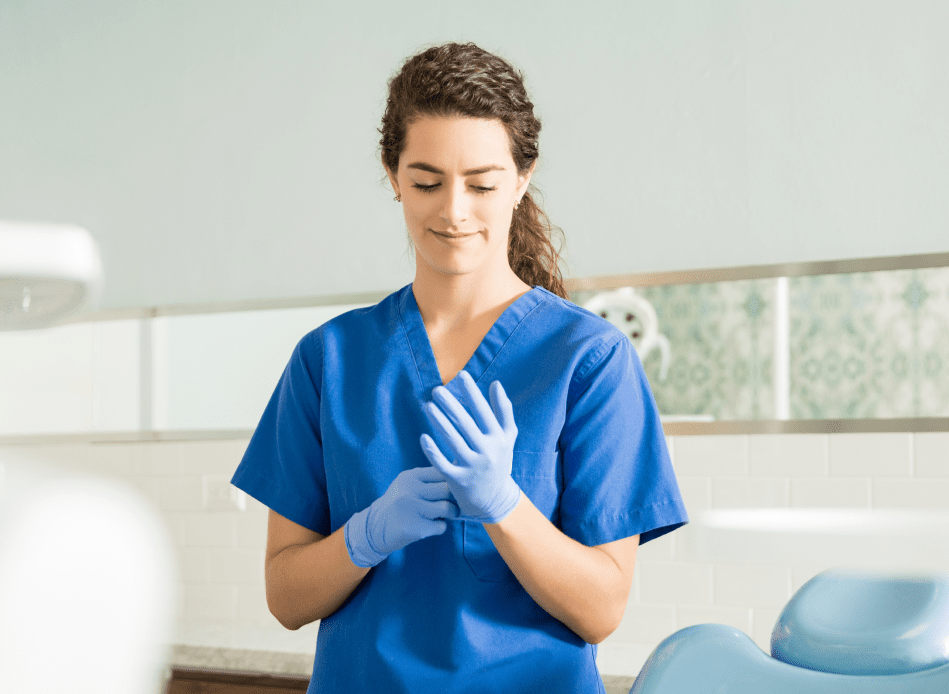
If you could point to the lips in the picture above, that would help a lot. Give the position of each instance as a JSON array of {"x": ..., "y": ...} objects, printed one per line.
[{"x": 452, "y": 236}]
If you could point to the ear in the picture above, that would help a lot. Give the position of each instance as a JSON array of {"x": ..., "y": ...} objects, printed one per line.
[
  {"x": 524, "y": 181},
  {"x": 392, "y": 179}
]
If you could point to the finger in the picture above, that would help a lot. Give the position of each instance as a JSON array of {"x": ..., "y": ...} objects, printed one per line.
[
  {"x": 478, "y": 407},
  {"x": 429, "y": 476},
  {"x": 435, "y": 457},
  {"x": 458, "y": 416},
  {"x": 456, "y": 442},
  {"x": 435, "y": 527},
  {"x": 434, "y": 491},
  {"x": 439, "y": 509},
  {"x": 503, "y": 407}
]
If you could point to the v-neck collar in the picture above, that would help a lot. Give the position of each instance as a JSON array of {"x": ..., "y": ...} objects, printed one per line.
[{"x": 487, "y": 350}]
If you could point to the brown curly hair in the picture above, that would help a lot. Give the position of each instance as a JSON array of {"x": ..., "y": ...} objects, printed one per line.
[{"x": 464, "y": 80}]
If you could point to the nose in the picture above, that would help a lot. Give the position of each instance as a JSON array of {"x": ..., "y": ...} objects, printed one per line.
[{"x": 455, "y": 204}]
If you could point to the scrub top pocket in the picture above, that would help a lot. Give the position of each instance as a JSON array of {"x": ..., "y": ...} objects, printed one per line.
[{"x": 536, "y": 474}]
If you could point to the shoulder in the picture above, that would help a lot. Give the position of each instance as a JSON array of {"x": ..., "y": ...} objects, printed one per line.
[
  {"x": 590, "y": 333},
  {"x": 364, "y": 322}
]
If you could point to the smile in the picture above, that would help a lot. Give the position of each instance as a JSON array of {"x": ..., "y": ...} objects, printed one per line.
[{"x": 456, "y": 237}]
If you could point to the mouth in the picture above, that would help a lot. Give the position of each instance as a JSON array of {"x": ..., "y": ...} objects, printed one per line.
[{"x": 451, "y": 236}]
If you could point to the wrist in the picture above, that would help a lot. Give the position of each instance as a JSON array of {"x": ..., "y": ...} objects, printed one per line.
[
  {"x": 360, "y": 549},
  {"x": 505, "y": 503}
]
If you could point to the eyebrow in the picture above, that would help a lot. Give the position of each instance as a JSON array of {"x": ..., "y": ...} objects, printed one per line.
[{"x": 470, "y": 172}]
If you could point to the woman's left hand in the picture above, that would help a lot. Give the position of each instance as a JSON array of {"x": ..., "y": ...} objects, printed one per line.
[{"x": 481, "y": 439}]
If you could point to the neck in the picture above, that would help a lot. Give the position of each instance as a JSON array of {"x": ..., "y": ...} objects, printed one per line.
[{"x": 452, "y": 302}]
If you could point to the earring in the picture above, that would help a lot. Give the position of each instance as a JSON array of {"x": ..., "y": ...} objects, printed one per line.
[
  {"x": 516, "y": 204},
  {"x": 398, "y": 198}
]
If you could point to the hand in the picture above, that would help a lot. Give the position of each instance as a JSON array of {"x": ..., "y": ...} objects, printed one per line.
[
  {"x": 481, "y": 439},
  {"x": 413, "y": 507}
]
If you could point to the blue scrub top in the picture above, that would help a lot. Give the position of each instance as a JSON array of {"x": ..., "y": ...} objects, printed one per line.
[{"x": 446, "y": 613}]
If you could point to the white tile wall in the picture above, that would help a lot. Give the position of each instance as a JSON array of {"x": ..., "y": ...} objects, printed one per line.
[
  {"x": 220, "y": 551},
  {"x": 932, "y": 454},
  {"x": 815, "y": 492},
  {"x": 862, "y": 455}
]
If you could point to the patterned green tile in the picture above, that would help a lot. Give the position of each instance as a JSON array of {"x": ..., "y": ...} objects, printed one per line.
[{"x": 862, "y": 345}]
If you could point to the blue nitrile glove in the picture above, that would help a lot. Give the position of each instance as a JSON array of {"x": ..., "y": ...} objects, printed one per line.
[
  {"x": 482, "y": 447},
  {"x": 413, "y": 507}
]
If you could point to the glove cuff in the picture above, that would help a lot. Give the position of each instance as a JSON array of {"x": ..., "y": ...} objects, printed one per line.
[
  {"x": 356, "y": 533},
  {"x": 511, "y": 498}
]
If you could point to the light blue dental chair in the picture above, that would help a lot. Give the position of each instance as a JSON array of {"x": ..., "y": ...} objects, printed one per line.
[{"x": 843, "y": 632}]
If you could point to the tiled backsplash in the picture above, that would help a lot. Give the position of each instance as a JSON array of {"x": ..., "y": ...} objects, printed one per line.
[
  {"x": 221, "y": 548},
  {"x": 860, "y": 345}
]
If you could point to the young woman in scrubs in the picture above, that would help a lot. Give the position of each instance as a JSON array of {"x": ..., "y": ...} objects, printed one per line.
[{"x": 459, "y": 477}]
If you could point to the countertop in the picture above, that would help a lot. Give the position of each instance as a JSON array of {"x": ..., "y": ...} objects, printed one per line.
[{"x": 254, "y": 662}]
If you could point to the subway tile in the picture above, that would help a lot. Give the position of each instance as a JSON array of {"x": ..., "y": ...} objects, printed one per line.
[
  {"x": 645, "y": 623},
  {"x": 802, "y": 574},
  {"x": 235, "y": 565},
  {"x": 204, "y": 529},
  {"x": 192, "y": 565},
  {"x": 918, "y": 492},
  {"x": 788, "y": 455},
  {"x": 932, "y": 454},
  {"x": 763, "y": 621},
  {"x": 749, "y": 492},
  {"x": 149, "y": 489},
  {"x": 751, "y": 586},
  {"x": 55, "y": 459},
  {"x": 162, "y": 458},
  {"x": 251, "y": 530},
  {"x": 871, "y": 454},
  {"x": 181, "y": 493},
  {"x": 738, "y": 617},
  {"x": 252, "y": 605},
  {"x": 15, "y": 454},
  {"x": 711, "y": 455},
  {"x": 211, "y": 457},
  {"x": 830, "y": 492},
  {"x": 696, "y": 492},
  {"x": 672, "y": 583},
  {"x": 117, "y": 458},
  {"x": 209, "y": 604},
  {"x": 661, "y": 549}
]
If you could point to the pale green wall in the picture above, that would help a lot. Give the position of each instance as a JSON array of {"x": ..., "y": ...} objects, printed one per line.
[{"x": 226, "y": 150}]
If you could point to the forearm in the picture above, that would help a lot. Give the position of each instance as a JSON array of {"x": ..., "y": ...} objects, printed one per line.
[
  {"x": 310, "y": 582},
  {"x": 580, "y": 586}
]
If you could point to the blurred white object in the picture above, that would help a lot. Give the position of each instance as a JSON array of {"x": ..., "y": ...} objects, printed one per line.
[
  {"x": 87, "y": 585},
  {"x": 635, "y": 316},
  {"x": 87, "y": 569},
  {"x": 47, "y": 272},
  {"x": 871, "y": 538}
]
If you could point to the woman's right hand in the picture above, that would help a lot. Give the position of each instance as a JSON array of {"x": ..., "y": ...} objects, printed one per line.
[{"x": 414, "y": 506}]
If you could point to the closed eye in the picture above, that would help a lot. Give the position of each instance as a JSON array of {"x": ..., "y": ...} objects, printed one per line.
[{"x": 481, "y": 190}]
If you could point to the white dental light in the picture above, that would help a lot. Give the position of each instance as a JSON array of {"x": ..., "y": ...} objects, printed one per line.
[{"x": 47, "y": 272}]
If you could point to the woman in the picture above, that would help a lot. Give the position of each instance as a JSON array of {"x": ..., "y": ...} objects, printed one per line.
[{"x": 459, "y": 476}]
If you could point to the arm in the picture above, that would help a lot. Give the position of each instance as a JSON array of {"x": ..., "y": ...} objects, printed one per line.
[
  {"x": 586, "y": 588},
  {"x": 307, "y": 575}
]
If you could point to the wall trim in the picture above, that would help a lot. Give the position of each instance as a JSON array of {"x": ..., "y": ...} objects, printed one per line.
[{"x": 736, "y": 427}]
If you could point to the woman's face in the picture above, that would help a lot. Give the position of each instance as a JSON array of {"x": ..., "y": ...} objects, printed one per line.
[{"x": 458, "y": 185}]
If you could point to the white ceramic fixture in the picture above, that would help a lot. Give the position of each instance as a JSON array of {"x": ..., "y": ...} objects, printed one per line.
[{"x": 47, "y": 272}]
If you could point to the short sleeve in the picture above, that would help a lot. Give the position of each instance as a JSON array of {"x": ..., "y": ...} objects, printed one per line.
[
  {"x": 618, "y": 478},
  {"x": 283, "y": 464}
]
